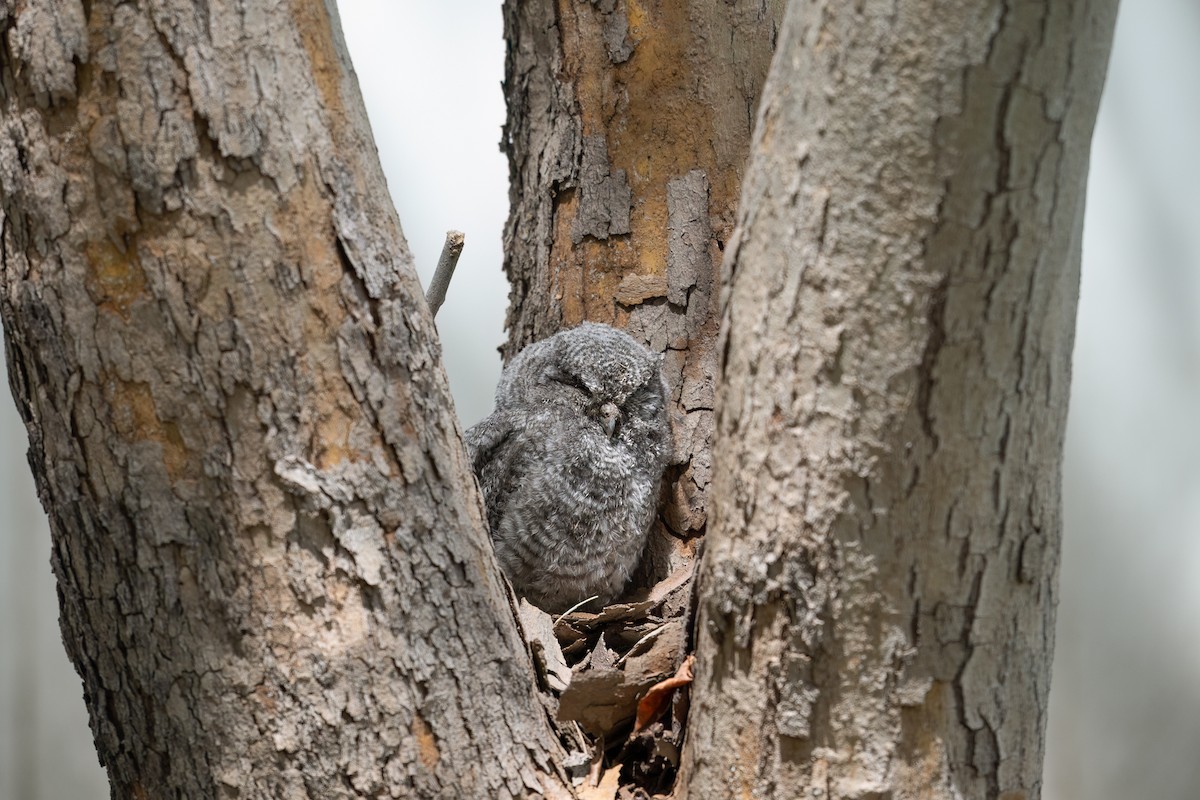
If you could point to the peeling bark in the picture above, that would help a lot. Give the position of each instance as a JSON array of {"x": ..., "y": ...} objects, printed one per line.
[
  {"x": 628, "y": 126},
  {"x": 273, "y": 566},
  {"x": 878, "y": 590}
]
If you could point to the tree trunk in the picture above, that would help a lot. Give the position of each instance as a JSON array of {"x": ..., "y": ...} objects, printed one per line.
[
  {"x": 629, "y": 123},
  {"x": 878, "y": 591},
  {"x": 274, "y": 571}
]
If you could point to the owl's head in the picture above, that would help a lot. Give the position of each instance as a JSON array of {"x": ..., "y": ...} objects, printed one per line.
[{"x": 600, "y": 371}]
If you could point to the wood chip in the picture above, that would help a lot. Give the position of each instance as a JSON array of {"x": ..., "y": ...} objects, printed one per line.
[
  {"x": 602, "y": 657},
  {"x": 539, "y": 633},
  {"x": 601, "y": 700}
]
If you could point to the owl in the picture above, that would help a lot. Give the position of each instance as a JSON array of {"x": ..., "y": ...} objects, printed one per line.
[{"x": 570, "y": 463}]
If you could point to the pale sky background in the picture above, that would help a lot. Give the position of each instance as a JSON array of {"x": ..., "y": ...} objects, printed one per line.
[{"x": 1125, "y": 710}]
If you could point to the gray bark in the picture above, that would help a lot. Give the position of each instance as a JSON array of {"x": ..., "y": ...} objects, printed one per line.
[
  {"x": 878, "y": 589},
  {"x": 274, "y": 571}
]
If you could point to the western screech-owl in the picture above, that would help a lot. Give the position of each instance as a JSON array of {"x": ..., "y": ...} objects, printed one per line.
[{"x": 570, "y": 463}]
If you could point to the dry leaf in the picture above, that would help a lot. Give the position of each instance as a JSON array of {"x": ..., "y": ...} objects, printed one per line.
[
  {"x": 655, "y": 700},
  {"x": 602, "y": 698}
]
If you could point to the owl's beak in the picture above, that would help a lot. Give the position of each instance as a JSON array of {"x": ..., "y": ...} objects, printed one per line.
[{"x": 610, "y": 417}]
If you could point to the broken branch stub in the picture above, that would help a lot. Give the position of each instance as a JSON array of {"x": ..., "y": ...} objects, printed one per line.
[{"x": 451, "y": 250}]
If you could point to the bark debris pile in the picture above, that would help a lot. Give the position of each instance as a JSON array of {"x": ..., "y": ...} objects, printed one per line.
[{"x": 613, "y": 677}]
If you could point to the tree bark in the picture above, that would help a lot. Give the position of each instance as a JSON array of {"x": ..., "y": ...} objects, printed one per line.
[
  {"x": 274, "y": 570},
  {"x": 629, "y": 123},
  {"x": 273, "y": 566},
  {"x": 878, "y": 589}
]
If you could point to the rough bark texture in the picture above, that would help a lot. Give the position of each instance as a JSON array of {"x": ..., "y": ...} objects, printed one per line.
[
  {"x": 878, "y": 591},
  {"x": 629, "y": 123},
  {"x": 274, "y": 573}
]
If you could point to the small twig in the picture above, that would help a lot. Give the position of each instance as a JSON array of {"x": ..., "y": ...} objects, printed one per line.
[
  {"x": 575, "y": 607},
  {"x": 451, "y": 250},
  {"x": 597, "y": 769}
]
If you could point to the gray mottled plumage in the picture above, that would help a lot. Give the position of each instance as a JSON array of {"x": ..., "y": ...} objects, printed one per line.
[{"x": 570, "y": 463}]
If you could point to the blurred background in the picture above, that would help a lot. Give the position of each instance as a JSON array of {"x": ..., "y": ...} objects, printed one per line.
[{"x": 1125, "y": 704}]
